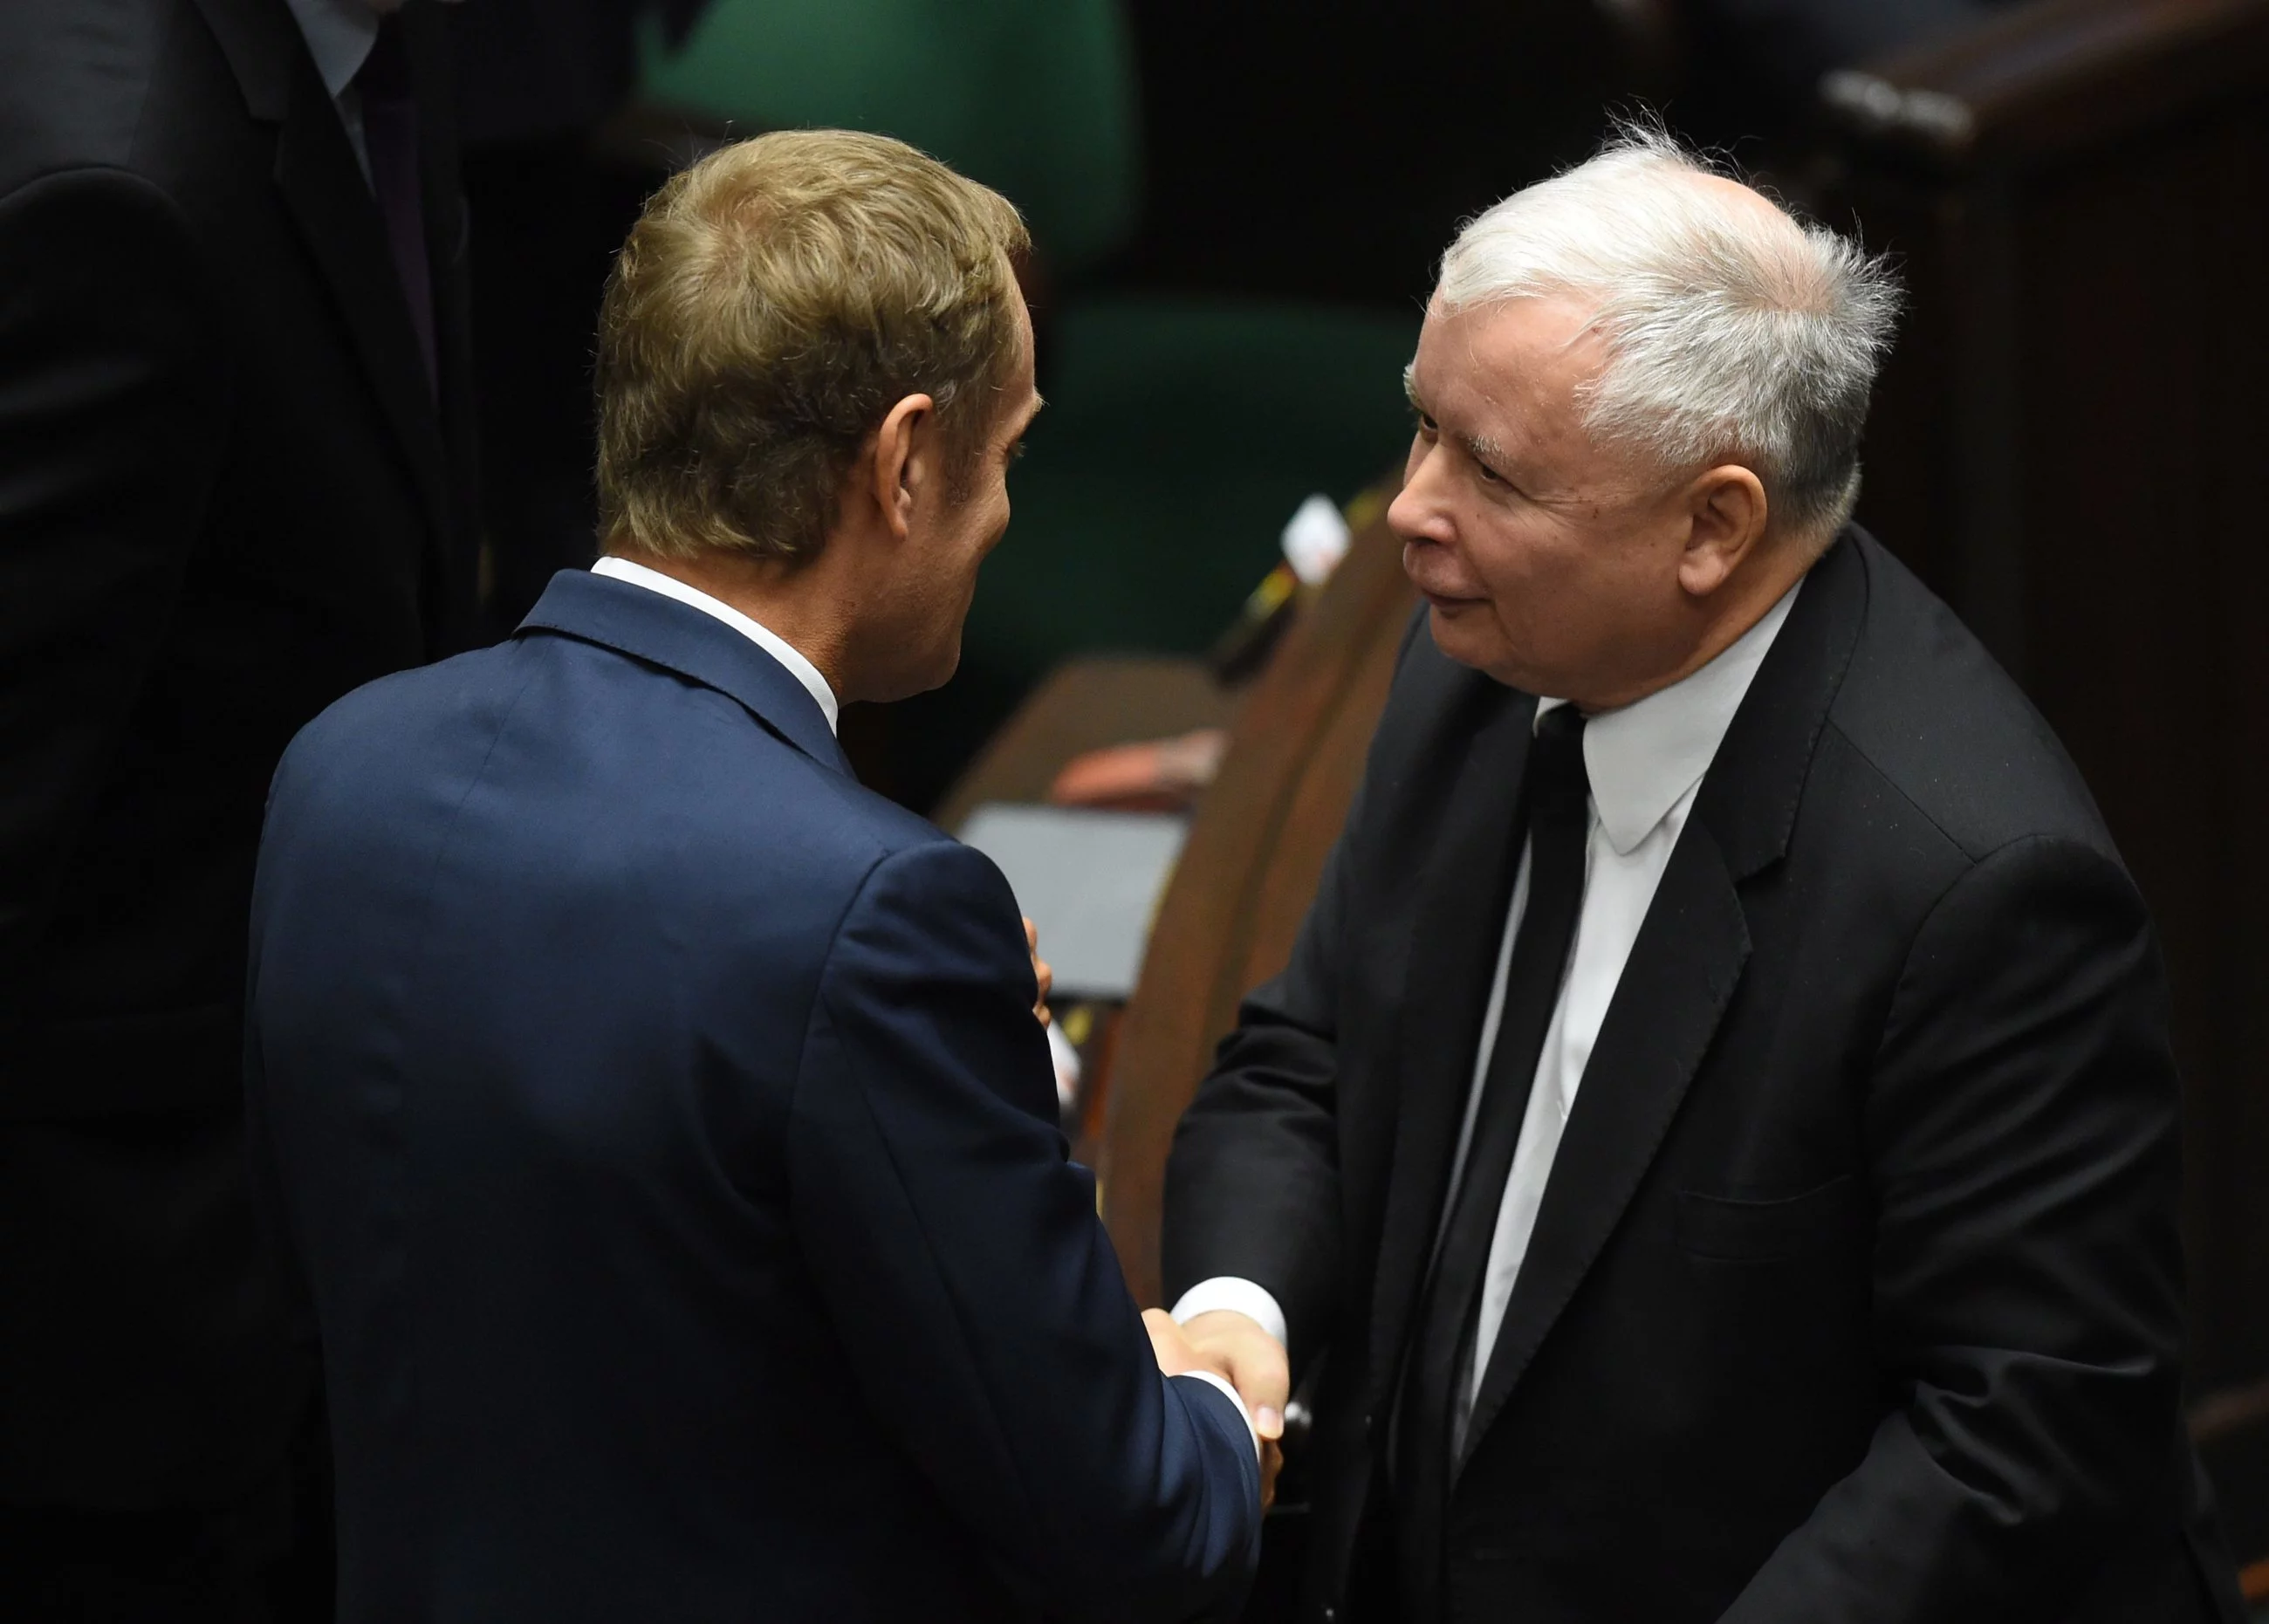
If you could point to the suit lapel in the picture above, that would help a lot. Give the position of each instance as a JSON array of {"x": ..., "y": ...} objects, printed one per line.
[
  {"x": 260, "y": 43},
  {"x": 1681, "y": 975},
  {"x": 1466, "y": 887},
  {"x": 449, "y": 252},
  {"x": 330, "y": 203},
  {"x": 1685, "y": 964}
]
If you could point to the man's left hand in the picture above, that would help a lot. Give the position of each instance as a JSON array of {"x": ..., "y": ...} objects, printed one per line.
[{"x": 1041, "y": 973}]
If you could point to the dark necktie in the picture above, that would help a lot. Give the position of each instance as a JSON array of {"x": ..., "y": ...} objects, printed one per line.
[
  {"x": 390, "y": 134},
  {"x": 1555, "y": 794}
]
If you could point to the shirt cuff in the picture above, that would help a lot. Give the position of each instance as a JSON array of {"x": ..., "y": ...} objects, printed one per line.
[
  {"x": 1241, "y": 1296},
  {"x": 1223, "y": 1383}
]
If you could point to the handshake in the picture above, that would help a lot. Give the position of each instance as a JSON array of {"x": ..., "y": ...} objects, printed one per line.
[
  {"x": 1233, "y": 1346},
  {"x": 1228, "y": 1344}
]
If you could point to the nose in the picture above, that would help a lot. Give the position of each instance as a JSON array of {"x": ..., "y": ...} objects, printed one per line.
[{"x": 1418, "y": 513}]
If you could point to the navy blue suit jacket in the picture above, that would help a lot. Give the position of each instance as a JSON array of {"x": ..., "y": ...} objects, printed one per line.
[{"x": 659, "y": 1123}]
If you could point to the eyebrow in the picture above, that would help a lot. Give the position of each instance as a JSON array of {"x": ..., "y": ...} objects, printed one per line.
[
  {"x": 1481, "y": 447},
  {"x": 1486, "y": 452}
]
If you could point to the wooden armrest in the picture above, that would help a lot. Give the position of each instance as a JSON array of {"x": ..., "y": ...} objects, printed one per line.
[{"x": 1081, "y": 706}]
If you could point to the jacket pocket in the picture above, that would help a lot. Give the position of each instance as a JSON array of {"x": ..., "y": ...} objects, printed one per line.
[{"x": 1764, "y": 1231}]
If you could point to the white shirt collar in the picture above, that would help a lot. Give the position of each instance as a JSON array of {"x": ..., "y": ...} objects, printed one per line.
[
  {"x": 1645, "y": 756},
  {"x": 776, "y": 647},
  {"x": 339, "y": 35}
]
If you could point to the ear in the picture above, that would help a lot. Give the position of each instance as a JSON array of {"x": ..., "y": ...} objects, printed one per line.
[
  {"x": 1725, "y": 520},
  {"x": 902, "y": 463}
]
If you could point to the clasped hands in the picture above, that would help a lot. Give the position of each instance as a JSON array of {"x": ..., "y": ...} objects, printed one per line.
[{"x": 1233, "y": 1346}]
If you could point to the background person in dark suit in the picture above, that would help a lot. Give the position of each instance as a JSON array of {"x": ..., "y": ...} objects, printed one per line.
[
  {"x": 1717, "y": 1131},
  {"x": 537, "y": 81},
  {"x": 658, "y": 1116},
  {"x": 233, "y": 484}
]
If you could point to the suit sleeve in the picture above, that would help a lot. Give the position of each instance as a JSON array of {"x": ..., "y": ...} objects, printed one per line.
[
  {"x": 2022, "y": 1128},
  {"x": 978, "y": 1299},
  {"x": 110, "y": 419},
  {"x": 1253, "y": 1184}
]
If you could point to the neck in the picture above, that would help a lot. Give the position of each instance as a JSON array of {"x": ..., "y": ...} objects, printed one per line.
[
  {"x": 797, "y": 603},
  {"x": 1737, "y": 605}
]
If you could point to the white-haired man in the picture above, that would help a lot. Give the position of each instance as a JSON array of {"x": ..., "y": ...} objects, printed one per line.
[{"x": 1717, "y": 1132}]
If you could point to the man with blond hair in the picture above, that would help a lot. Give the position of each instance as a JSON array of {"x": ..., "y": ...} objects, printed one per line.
[
  {"x": 659, "y": 1120},
  {"x": 1715, "y": 1141}
]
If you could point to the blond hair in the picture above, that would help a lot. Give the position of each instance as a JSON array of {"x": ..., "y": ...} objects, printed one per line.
[{"x": 772, "y": 304}]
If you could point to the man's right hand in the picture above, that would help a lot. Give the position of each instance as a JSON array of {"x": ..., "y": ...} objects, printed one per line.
[
  {"x": 1253, "y": 1362},
  {"x": 1225, "y": 1354}
]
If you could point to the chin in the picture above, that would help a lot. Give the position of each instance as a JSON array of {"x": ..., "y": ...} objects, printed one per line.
[
  {"x": 1461, "y": 639},
  {"x": 930, "y": 675},
  {"x": 1481, "y": 649}
]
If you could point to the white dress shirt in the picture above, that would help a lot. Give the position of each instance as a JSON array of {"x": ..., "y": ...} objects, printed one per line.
[
  {"x": 770, "y": 642},
  {"x": 1646, "y": 761}
]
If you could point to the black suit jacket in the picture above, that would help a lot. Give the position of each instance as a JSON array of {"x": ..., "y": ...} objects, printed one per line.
[
  {"x": 1856, "y": 1291},
  {"x": 228, "y": 494}
]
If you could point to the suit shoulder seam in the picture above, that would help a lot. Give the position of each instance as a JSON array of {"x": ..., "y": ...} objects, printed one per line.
[
  {"x": 879, "y": 856},
  {"x": 1971, "y": 852},
  {"x": 1956, "y": 882},
  {"x": 63, "y": 173}
]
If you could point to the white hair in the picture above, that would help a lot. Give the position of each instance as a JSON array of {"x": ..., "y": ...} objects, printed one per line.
[{"x": 1731, "y": 330}]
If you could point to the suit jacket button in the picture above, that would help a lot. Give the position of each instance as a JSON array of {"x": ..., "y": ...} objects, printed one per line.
[
  {"x": 1331, "y": 1614},
  {"x": 1369, "y": 1424}
]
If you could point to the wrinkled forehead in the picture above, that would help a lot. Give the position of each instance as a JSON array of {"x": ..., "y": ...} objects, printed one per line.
[
  {"x": 1513, "y": 367},
  {"x": 1526, "y": 333}
]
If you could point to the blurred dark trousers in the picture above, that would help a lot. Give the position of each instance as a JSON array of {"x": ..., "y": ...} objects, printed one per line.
[{"x": 266, "y": 1560}]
